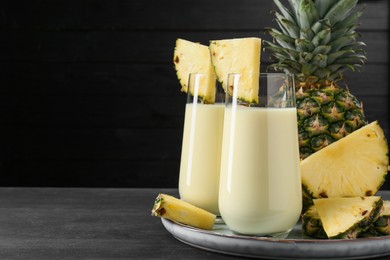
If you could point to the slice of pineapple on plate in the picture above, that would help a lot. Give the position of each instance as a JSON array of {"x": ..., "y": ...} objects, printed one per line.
[
  {"x": 190, "y": 57},
  {"x": 239, "y": 55},
  {"x": 346, "y": 218},
  {"x": 174, "y": 209},
  {"x": 355, "y": 165}
]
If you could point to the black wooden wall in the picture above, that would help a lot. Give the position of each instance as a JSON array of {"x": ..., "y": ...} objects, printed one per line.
[{"x": 89, "y": 96}]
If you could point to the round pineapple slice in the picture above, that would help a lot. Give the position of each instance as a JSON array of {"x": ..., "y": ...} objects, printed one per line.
[{"x": 353, "y": 166}]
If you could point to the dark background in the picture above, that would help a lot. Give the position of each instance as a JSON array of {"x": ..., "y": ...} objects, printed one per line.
[{"x": 89, "y": 96}]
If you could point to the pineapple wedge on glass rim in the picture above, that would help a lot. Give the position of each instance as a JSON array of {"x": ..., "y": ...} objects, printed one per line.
[
  {"x": 190, "y": 57},
  {"x": 239, "y": 55},
  {"x": 341, "y": 218},
  {"x": 169, "y": 207},
  {"x": 354, "y": 166}
]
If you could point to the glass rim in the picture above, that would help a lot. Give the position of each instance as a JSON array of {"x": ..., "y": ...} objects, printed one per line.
[{"x": 262, "y": 73}]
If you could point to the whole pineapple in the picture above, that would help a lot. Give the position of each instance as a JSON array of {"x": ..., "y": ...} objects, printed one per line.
[{"x": 317, "y": 42}]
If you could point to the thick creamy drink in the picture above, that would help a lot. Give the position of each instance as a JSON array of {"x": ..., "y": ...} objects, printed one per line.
[
  {"x": 201, "y": 154},
  {"x": 260, "y": 186}
]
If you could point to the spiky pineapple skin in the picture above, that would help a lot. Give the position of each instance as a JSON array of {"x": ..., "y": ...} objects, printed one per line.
[
  {"x": 326, "y": 113},
  {"x": 381, "y": 227}
]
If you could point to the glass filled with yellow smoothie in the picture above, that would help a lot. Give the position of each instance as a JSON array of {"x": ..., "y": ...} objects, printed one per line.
[
  {"x": 202, "y": 143},
  {"x": 260, "y": 183}
]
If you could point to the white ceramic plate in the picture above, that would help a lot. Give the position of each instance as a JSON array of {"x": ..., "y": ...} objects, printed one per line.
[{"x": 295, "y": 246}]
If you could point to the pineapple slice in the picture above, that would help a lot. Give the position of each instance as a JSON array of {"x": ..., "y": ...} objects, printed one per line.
[
  {"x": 171, "y": 208},
  {"x": 343, "y": 218},
  {"x": 190, "y": 57},
  {"x": 354, "y": 166},
  {"x": 240, "y": 55}
]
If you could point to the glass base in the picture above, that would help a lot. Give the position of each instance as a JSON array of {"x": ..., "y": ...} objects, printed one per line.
[
  {"x": 277, "y": 235},
  {"x": 219, "y": 220}
]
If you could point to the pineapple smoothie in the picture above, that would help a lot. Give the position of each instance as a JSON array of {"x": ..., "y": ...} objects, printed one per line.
[
  {"x": 260, "y": 188},
  {"x": 201, "y": 154}
]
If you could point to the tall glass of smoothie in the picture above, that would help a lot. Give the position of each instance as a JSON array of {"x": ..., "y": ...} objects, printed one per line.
[
  {"x": 260, "y": 183},
  {"x": 202, "y": 142}
]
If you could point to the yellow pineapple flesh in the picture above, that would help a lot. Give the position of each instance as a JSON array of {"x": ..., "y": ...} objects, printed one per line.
[
  {"x": 239, "y": 55},
  {"x": 190, "y": 57},
  {"x": 348, "y": 217},
  {"x": 355, "y": 165},
  {"x": 174, "y": 209}
]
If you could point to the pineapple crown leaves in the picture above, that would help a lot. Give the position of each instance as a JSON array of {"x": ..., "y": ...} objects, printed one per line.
[{"x": 316, "y": 38}]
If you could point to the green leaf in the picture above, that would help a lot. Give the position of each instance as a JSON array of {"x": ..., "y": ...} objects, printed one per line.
[
  {"x": 293, "y": 64},
  {"x": 289, "y": 53},
  {"x": 306, "y": 34},
  {"x": 335, "y": 76},
  {"x": 281, "y": 67},
  {"x": 355, "y": 46},
  {"x": 278, "y": 56},
  {"x": 320, "y": 25},
  {"x": 308, "y": 14},
  {"x": 323, "y": 49},
  {"x": 357, "y": 59},
  {"x": 294, "y": 4},
  {"x": 343, "y": 31},
  {"x": 283, "y": 40},
  {"x": 334, "y": 67},
  {"x": 286, "y": 68},
  {"x": 349, "y": 21},
  {"x": 340, "y": 10},
  {"x": 340, "y": 68},
  {"x": 323, "y": 6},
  {"x": 320, "y": 60},
  {"x": 305, "y": 57},
  {"x": 288, "y": 27},
  {"x": 339, "y": 54},
  {"x": 339, "y": 43},
  {"x": 304, "y": 45},
  {"x": 286, "y": 13},
  {"x": 322, "y": 73},
  {"x": 322, "y": 38},
  {"x": 308, "y": 69}
]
